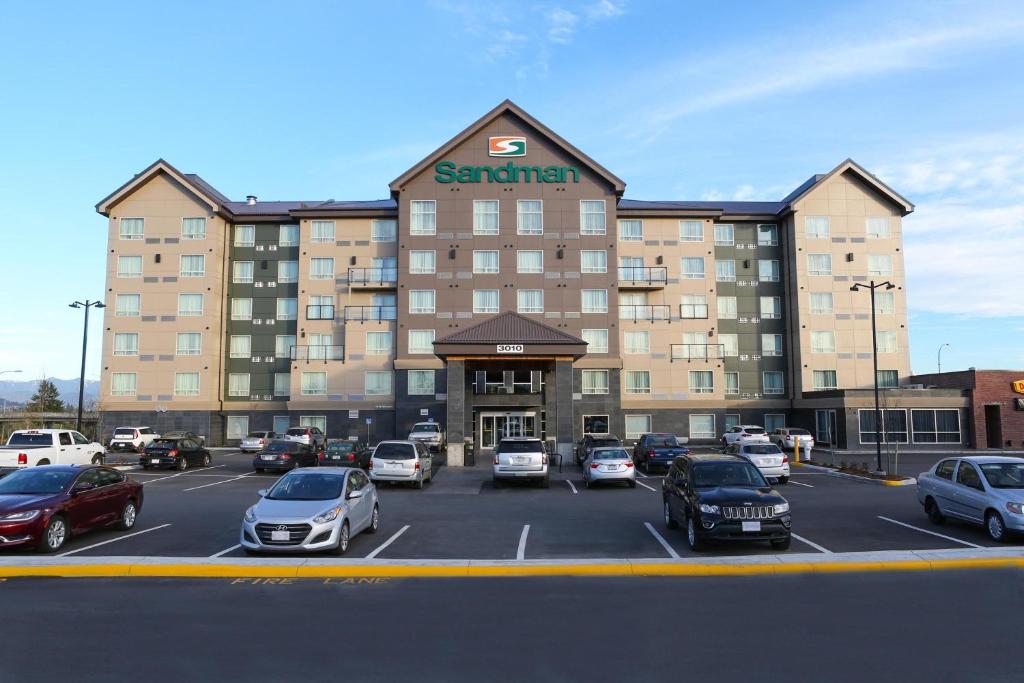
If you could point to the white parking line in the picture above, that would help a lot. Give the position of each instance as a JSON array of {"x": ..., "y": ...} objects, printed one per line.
[
  {"x": 218, "y": 483},
  {"x": 571, "y": 486},
  {"x": 190, "y": 474},
  {"x": 812, "y": 544},
  {"x": 379, "y": 549},
  {"x": 797, "y": 483},
  {"x": 640, "y": 483},
  {"x": 181, "y": 474},
  {"x": 664, "y": 544},
  {"x": 521, "y": 552},
  {"x": 112, "y": 540},
  {"x": 225, "y": 551},
  {"x": 926, "y": 531}
]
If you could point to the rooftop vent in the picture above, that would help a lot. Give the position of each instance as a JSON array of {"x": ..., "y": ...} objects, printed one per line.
[{"x": 250, "y": 199}]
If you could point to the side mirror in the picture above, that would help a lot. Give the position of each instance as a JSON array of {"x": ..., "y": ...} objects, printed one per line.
[
  {"x": 262, "y": 493},
  {"x": 358, "y": 493}
]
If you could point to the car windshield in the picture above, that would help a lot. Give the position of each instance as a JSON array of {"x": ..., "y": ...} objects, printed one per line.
[
  {"x": 1004, "y": 475},
  {"x": 308, "y": 487},
  {"x": 519, "y": 447},
  {"x": 340, "y": 447},
  {"x": 129, "y": 433},
  {"x": 279, "y": 447},
  {"x": 426, "y": 427},
  {"x": 395, "y": 451},
  {"x": 163, "y": 443},
  {"x": 30, "y": 440},
  {"x": 663, "y": 441},
  {"x": 753, "y": 430},
  {"x": 708, "y": 475},
  {"x": 257, "y": 435},
  {"x": 762, "y": 449},
  {"x": 799, "y": 432},
  {"x": 36, "y": 481},
  {"x": 611, "y": 454}
]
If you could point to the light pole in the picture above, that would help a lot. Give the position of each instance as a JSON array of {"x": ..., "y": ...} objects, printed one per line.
[
  {"x": 874, "y": 359},
  {"x": 942, "y": 346},
  {"x": 85, "y": 340}
]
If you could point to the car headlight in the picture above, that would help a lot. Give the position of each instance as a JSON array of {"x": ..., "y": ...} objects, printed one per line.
[
  {"x": 1015, "y": 508},
  {"x": 250, "y": 514},
  {"x": 709, "y": 509},
  {"x": 21, "y": 516},
  {"x": 781, "y": 508},
  {"x": 328, "y": 515}
]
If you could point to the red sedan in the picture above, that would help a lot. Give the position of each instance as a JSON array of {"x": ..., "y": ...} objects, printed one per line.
[{"x": 44, "y": 506}]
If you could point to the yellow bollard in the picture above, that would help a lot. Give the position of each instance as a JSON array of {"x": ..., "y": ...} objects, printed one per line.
[{"x": 796, "y": 448}]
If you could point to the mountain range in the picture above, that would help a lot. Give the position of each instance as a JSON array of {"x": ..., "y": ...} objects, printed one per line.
[{"x": 20, "y": 391}]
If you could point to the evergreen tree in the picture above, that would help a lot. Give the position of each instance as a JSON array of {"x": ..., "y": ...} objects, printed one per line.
[{"x": 46, "y": 399}]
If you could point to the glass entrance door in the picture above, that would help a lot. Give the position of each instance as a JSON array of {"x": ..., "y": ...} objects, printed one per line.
[{"x": 496, "y": 426}]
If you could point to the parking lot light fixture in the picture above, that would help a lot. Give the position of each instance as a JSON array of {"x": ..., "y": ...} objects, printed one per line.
[
  {"x": 874, "y": 359},
  {"x": 85, "y": 340}
]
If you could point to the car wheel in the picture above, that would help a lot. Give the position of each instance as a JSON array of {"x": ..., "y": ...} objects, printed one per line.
[
  {"x": 42, "y": 462},
  {"x": 692, "y": 539},
  {"x": 374, "y": 520},
  {"x": 783, "y": 480},
  {"x": 128, "y": 516},
  {"x": 670, "y": 521},
  {"x": 343, "y": 539},
  {"x": 182, "y": 464},
  {"x": 931, "y": 508},
  {"x": 782, "y": 543},
  {"x": 206, "y": 460},
  {"x": 54, "y": 535},
  {"x": 97, "y": 459},
  {"x": 995, "y": 526}
]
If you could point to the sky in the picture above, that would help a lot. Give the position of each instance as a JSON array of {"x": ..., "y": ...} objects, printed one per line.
[{"x": 681, "y": 99}]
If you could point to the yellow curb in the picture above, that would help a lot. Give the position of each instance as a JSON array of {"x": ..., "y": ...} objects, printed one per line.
[
  {"x": 394, "y": 571},
  {"x": 213, "y": 571}
]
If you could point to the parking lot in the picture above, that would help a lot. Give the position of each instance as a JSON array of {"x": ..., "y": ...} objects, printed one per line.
[{"x": 460, "y": 515}]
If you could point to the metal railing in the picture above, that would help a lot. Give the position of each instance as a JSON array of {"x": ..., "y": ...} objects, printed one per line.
[
  {"x": 372, "y": 276},
  {"x": 318, "y": 353},
  {"x": 636, "y": 312},
  {"x": 651, "y": 276},
  {"x": 693, "y": 311},
  {"x": 320, "y": 312},
  {"x": 697, "y": 351},
  {"x": 371, "y": 312}
]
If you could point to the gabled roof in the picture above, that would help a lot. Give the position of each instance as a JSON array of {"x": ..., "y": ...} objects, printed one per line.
[
  {"x": 509, "y": 327},
  {"x": 855, "y": 168},
  {"x": 196, "y": 185},
  {"x": 509, "y": 107}
]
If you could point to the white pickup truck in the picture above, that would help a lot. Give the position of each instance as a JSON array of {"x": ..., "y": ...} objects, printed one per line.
[{"x": 28, "y": 447}]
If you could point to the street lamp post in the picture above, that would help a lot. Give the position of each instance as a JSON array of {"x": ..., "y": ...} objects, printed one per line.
[
  {"x": 942, "y": 346},
  {"x": 85, "y": 340},
  {"x": 874, "y": 359}
]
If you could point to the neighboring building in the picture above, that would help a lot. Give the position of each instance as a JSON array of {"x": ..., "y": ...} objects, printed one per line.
[
  {"x": 505, "y": 287},
  {"x": 996, "y": 405}
]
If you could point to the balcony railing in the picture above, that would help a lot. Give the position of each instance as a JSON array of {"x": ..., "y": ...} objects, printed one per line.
[
  {"x": 693, "y": 311},
  {"x": 636, "y": 312},
  {"x": 371, "y": 312},
  {"x": 320, "y": 312},
  {"x": 320, "y": 353},
  {"x": 372, "y": 276},
  {"x": 691, "y": 352},
  {"x": 643, "y": 275}
]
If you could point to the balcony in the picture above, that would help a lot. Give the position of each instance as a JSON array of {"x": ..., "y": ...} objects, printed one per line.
[
  {"x": 373, "y": 278},
  {"x": 637, "y": 312},
  {"x": 636, "y": 277},
  {"x": 698, "y": 352},
  {"x": 693, "y": 311},
  {"x": 364, "y": 313},
  {"x": 321, "y": 354},
  {"x": 320, "y": 312}
]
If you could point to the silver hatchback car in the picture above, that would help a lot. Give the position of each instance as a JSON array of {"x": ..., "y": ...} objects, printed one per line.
[
  {"x": 609, "y": 465},
  {"x": 982, "y": 489}
]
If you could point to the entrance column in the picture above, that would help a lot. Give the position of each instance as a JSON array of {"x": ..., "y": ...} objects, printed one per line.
[
  {"x": 455, "y": 425},
  {"x": 563, "y": 408}
]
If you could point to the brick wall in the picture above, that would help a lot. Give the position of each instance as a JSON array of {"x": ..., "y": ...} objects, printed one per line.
[{"x": 987, "y": 387}]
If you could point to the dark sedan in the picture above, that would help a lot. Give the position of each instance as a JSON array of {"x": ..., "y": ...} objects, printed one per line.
[
  {"x": 43, "y": 506},
  {"x": 343, "y": 453},
  {"x": 177, "y": 453},
  {"x": 284, "y": 455}
]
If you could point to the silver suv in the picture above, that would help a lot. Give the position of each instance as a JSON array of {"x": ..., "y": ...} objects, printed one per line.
[
  {"x": 310, "y": 436},
  {"x": 429, "y": 434},
  {"x": 521, "y": 458}
]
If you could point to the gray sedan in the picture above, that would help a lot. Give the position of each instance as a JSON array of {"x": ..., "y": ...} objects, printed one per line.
[
  {"x": 986, "y": 490},
  {"x": 609, "y": 465}
]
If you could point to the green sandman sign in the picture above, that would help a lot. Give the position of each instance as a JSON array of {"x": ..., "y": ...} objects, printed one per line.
[{"x": 448, "y": 172}]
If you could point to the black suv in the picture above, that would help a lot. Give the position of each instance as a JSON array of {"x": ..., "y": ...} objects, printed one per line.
[
  {"x": 723, "y": 497},
  {"x": 592, "y": 441}
]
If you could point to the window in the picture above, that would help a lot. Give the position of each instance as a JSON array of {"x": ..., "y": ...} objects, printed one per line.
[
  {"x": 819, "y": 264},
  {"x": 724, "y": 236},
  {"x": 768, "y": 270},
  {"x": 377, "y": 383},
  {"x": 691, "y": 231},
  {"x": 281, "y": 423},
  {"x": 727, "y": 307},
  {"x": 595, "y": 424},
  {"x": 193, "y": 228},
  {"x": 129, "y": 266},
  {"x": 594, "y": 300},
  {"x": 732, "y": 383},
  {"x": 768, "y": 235},
  {"x": 421, "y": 341},
  {"x": 702, "y": 426},
  {"x": 821, "y": 303},
  {"x": 122, "y": 384},
  {"x": 288, "y": 236},
  {"x": 422, "y": 262},
  {"x": 319, "y": 346},
  {"x": 190, "y": 305},
  {"x": 485, "y": 301},
  {"x": 638, "y": 381},
  {"x": 423, "y": 217},
  {"x": 730, "y": 342},
  {"x": 126, "y": 344},
  {"x": 816, "y": 227},
  {"x": 885, "y": 303},
  {"x": 193, "y": 266},
  {"x": 318, "y": 421},
  {"x": 421, "y": 382},
  {"x": 384, "y": 230},
  {"x": 592, "y": 220},
  {"x": 485, "y": 217},
  {"x": 283, "y": 344},
  {"x": 530, "y": 300},
  {"x": 594, "y": 261},
  {"x": 241, "y": 272},
  {"x": 241, "y": 346},
  {"x": 694, "y": 306},
  {"x": 823, "y": 342},
  {"x": 936, "y": 426},
  {"x": 771, "y": 344},
  {"x": 131, "y": 228},
  {"x": 238, "y": 384},
  {"x": 485, "y": 262},
  {"x": 127, "y": 305},
  {"x": 288, "y": 308},
  {"x": 631, "y": 231},
  {"x": 878, "y": 227},
  {"x": 186, "y": 384},
  {"x": 702, "y": 382},
  {"x": 321, "y": 269},
  {"x": 237, "y": 426},
  {"x": 245, "y": 235},
  {"x": 824, "y": 379},
  {"x": 771, "y": 307},
  {"x": 188, "y": 343},
  {"x": 637, "y": 426},
  {"x": 880, "y": 265},
  {"x": 692, "y": 268},
  {"x": 633, "y": 306},
  {"x": 886, "y": 341},
  {"x": 888, "y": 379},
  {"x": 241, "y": 309},
  {"x": 637, "y": 341},
  {"x": 378, "y": 343},
  {"x": 282, "y": 384},
  {"x": 530, "y": 262},
  {"x": 287, "y": 271},
  {"x": 595, "y": 381},
  {"x": 322, "y": 232},
  {"x": 597, "y": 341},
  {"x": 314, "y": 383},
  {"x": 530, "y": 217},
  {"x": 893, "y": 427},
  {"x": 773, "y": 421},
  {"x": 421, "y": 301},
  {"x": 729, "y": 421},
  {"x": 772, "y": 381}
]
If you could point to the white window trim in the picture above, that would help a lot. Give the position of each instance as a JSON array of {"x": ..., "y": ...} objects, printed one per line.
[
  {"x": 413, "y": 202},
  {"x": 132, "y": 276},
  {"x": 190, "y": 314},
  {"x": 177, "y": 352},
  {"x": 120, "y": 234},
  {"x": 607, "y": 384},
  {"x": 393, "y": 233},
  {"x": 234, "y": 236},
  {"x": 408, "y": 384},
  {"x": 421, "y": 271},
  {"x": 496, "y": 308},
  {"x": 636, "y": 435},
  {"x": 199, "y": 384},
  {"x": 409, "y": 343},
  {"x": 519, "y": 228},
  {"x": 497, "y": 228},
  {"x": 487, "y": 272},
  {"x": 597, "y": 349},
  {"x": 603, "y": 212},
  {"x": 631, "y": 239},
  {"x": 519, "y": 269},
  {"x": 322, "y": 240},
  {"x": 709, "y": 435},
  {"x": 191, "y": 273},
  {"x": 583, "y": 422},
  {"x": 424, "y": 311},
  {"x": 189, "y": 238}
]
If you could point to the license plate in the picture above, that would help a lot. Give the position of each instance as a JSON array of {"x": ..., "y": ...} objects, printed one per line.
[
  {"x": 280, "y": 536},
  {"x": 155, "y": 461},
  {"x": 751, "y": 526},
  {"x": 520, "y": 460},
  {"x": 269, "y": 457}
]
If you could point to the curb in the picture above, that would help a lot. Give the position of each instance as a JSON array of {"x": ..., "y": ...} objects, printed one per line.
[{"x": 908, "y": 481}]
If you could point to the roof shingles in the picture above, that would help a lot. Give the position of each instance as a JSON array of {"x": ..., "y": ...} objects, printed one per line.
[{"x": 510, "y": 327}]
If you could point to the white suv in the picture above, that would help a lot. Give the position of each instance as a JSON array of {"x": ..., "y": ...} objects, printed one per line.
[
  {"x": 132, "y": 439},
  {"x": 745, "y": 434},
  {"x": 521, "y": 458}
]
